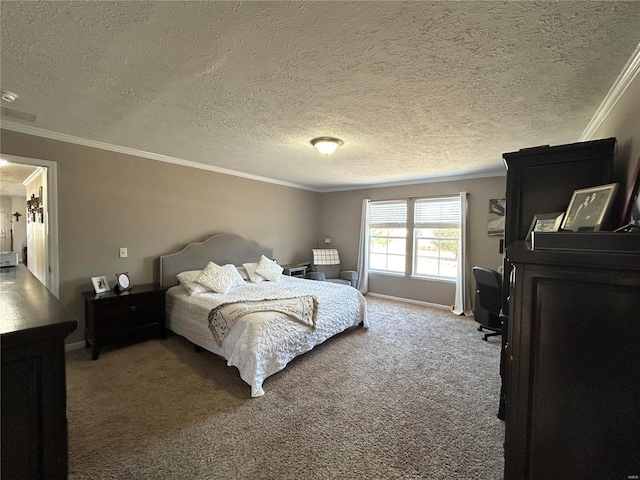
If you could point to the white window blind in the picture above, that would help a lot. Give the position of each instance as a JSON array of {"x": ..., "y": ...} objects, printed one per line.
[
  {"x": 437, "y": 213},
  {"x": 391, "y": 214}
]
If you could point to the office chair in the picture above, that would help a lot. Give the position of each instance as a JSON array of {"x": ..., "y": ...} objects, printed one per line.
[{"x": 488, "y": 301}]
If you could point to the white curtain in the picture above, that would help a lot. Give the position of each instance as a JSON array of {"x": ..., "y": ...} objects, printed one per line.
[
  {"x": 363, "y": 249},
  {"x": 462, "y": 303}
]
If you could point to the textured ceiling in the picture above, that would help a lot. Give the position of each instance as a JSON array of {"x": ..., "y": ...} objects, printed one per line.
[
  {"x": 416, "y": 90},
  {"x": 11, "y": 177}
]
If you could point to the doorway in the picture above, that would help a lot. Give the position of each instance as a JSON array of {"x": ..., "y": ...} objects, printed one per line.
[{"x": 37, "y": 217}]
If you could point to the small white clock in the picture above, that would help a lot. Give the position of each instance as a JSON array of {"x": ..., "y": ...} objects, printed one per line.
[{"x": 123, "y": 282}]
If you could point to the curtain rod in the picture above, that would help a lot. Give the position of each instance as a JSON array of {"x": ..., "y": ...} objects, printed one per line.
[{"x": 453, "y": 195}]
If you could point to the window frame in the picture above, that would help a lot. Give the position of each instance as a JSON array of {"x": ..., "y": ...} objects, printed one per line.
[
  {"x": 410, "y": 216},
  {"x": 448, "y": 217},
  {"x": 395, "y": 217}
]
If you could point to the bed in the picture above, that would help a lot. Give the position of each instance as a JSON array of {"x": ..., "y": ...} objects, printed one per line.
[{"x": 260, "y": 343}]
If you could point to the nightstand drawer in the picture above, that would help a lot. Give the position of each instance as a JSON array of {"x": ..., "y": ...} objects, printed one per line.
[{"x": 126, "y": 315}]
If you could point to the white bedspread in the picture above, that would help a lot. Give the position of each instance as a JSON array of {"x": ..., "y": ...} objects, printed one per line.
[{"x": 261, "y": 344}]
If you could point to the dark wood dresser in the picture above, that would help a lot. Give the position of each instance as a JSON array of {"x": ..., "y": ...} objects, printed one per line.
[
  {"x": 33, "y": 326},
  {"x": 573, "y": 365},
  {"x": 542, "y": 180}
]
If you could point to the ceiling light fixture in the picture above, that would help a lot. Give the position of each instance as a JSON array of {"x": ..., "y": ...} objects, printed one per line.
[
  {"x": 8, "y": 97},
  {"x": 326, "y": 145}
]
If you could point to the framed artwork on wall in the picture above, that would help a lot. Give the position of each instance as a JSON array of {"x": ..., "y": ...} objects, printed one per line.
[{"x": 497, "y": 210}]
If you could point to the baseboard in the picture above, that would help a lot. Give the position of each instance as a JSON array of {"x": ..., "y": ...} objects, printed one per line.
[
  {"x": 408, "y": 300},
  {"x": 74, "y": 346}
]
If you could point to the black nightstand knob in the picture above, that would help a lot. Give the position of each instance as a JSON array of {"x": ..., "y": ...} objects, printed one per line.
[{"x": 132, "y": 308}]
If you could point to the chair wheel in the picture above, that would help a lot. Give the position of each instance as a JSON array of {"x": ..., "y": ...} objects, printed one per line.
[
  {"x": 480, "y": 328},
  {"x": 485, "y": 338}
]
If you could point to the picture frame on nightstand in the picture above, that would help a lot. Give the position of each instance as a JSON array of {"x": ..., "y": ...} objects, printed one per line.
[{"x": 100, "y": 284}]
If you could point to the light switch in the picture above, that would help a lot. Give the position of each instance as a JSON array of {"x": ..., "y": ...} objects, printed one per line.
[{"x": 123, "y": 252}]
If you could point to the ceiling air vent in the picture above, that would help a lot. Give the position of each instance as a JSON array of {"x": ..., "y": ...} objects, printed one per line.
[{"x": 10, "y": 112}]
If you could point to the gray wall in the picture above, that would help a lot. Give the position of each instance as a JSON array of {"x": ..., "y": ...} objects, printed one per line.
[
  {"x": 109, "y": 200},
  {"x": 340, "y": 220},
  {"x": 623, "y": 122}
]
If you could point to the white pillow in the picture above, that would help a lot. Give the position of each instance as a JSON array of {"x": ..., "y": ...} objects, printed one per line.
[
  {"x": 251, "y": 271},
  {"x": 243, "y": 273},
  {"x": 220, "y": 279},
  {"x": 236, "y": 274},
  {"x": 269, "y": 269},
  {"x": 188, "y": 281}
]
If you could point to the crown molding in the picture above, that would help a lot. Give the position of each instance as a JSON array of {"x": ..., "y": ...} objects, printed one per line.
[
  {"x": 417, "y": 181},
  {"x": 33, "y": 175},
  {"x": 621, "y": 84},
  {"x": 63, "y": 137}
]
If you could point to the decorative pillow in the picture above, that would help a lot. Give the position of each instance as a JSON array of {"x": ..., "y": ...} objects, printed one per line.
[
  {"x": 236, "y": 275},
  {"x": 243, "y": 273},
  {"x": 269, "y": 269},
  {"x": 251, "y": 271},
  {"x": 220, "y": 279},
  {"x": 188, "y": 281}
]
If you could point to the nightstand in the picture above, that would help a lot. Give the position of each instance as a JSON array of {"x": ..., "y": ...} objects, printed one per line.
[
  {"x": 299, "y": 271},
  {"x": 112, "y": 316}
]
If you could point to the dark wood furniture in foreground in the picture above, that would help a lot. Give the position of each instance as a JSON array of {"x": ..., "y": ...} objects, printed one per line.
[
  {"x": 113, "y": 316},
  {"x": 542, "y": 180},
  {"x": 33, "y": 326},
  {"x": 573, "y": 367}
]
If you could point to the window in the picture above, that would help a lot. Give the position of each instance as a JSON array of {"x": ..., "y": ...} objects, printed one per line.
[
  {"x": 388, "y": 236},
  {"x": 432, "y": 250},
  {"x": 436, "y": 237}
]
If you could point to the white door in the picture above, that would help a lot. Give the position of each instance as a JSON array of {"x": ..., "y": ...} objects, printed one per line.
[
  {"x": 37, "y": 241},
  {"x": 5, "y": 226}
]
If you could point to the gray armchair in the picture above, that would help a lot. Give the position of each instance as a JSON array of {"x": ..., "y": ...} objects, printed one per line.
[{"x": 325, "y": 266}]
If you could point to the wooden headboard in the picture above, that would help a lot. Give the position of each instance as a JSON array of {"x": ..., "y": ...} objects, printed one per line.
[{"x": 221, "y": 248}]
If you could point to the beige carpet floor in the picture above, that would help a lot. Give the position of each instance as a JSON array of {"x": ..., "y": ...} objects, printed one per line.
[{"x": 413, "y": 397}]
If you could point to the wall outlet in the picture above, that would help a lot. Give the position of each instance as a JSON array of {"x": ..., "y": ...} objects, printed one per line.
[
  {"x": 123, "y": 253},
  {"x": 327, "y": 240}
]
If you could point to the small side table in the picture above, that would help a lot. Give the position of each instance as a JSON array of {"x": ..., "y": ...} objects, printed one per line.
[
  {"x": 299, "y": 271},
  {"x": 113, "y": 316}
]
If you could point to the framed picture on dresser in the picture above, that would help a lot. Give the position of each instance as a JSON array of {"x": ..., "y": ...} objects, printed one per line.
[
  {"x": 632, "y": 212},
  {"x": 588, "y": 208},
  {"x": 545, "y": 222}
]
